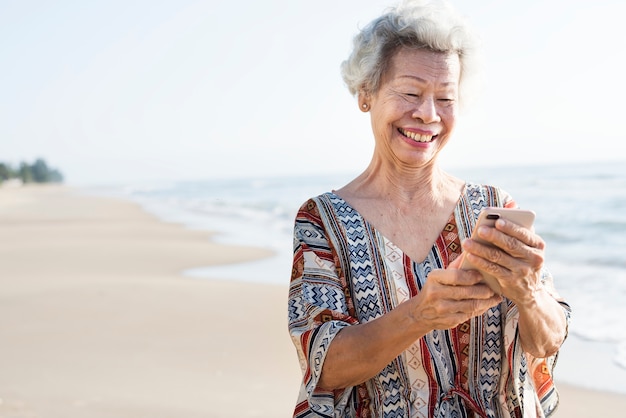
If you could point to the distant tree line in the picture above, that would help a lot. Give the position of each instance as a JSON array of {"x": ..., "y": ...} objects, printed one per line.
[{"x": 38, "y": 172}]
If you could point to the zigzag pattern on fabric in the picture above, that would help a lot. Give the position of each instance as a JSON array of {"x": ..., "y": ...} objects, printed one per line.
[
  {"x": 489, "y": 325},
  {"x": 369, "y": 303}
]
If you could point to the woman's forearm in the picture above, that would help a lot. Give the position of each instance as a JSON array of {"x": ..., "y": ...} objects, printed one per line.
[
  {"x": 359, "y": 352},
  {"x": 542, "y": 324}
]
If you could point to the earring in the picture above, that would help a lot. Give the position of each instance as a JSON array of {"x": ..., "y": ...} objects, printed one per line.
[{"x": 365, "y": 106}]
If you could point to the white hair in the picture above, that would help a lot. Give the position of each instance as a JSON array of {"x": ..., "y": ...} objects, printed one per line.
[{"x": 432, "y": 25}]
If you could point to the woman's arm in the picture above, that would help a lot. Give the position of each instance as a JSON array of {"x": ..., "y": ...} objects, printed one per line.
[
  {"x": 517, "y": 260},
  {"x": 542, "y": 323},
  {"x": 448, "y": 298}
]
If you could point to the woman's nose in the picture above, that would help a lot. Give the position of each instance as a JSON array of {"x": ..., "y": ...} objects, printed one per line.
[{"x": 426, "y": 111}]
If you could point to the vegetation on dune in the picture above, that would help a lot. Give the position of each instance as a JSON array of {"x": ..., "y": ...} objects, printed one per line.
[{"x": 37, "y": 172}]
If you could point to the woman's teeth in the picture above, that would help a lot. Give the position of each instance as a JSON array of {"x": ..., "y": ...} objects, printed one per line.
[{"x": 416, "y": 137}]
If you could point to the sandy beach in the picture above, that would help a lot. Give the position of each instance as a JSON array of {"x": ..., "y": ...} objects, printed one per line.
[{"x": 97, "y": 320}]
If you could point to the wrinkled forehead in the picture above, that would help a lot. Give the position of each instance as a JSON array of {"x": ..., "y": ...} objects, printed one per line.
[{"x": 439, "y": 67}]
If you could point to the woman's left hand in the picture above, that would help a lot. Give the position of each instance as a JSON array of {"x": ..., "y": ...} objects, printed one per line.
[{"x": 515, "y": 259}]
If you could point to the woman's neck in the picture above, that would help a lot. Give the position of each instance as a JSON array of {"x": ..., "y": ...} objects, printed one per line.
[{"x": 403, "y": 186}]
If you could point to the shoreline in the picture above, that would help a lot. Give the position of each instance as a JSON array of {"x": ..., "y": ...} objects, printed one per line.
[{"x": 103, "y": 322}]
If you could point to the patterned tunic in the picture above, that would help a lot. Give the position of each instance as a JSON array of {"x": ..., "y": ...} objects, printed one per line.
[{"x": 345, "y": 272}]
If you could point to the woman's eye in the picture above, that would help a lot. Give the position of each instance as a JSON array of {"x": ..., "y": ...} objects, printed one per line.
[{"x": 445, "y": 100}]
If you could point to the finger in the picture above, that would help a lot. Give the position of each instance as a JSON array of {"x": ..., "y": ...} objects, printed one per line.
[
  {"x": 456, "y": 263},
  {"x": 455, "y": 277},
  {"x": 492, "y": 264},
  {"x": 525, "y": 235},
  {"x": 449, "y": 314},
  {"x": 482, "y": 256},
  {"x": 511, "y": 244},
  {"x": 495, "y": 262},
  {"x": 473, "y": 307},
  {"x": 467, "y": 285},
  {"x": 510, "y": 272}
]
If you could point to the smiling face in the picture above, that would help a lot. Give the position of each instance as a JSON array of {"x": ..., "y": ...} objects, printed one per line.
[{"x": 414, "y": 111}]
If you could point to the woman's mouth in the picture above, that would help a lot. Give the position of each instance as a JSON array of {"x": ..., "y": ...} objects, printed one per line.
[{"x": 417, "y": 137}]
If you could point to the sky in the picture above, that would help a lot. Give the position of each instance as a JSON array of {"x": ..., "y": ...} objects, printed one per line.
[{"x": 136, "y": 90}]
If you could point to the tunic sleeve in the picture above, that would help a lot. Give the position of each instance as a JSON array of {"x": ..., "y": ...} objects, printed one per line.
[
  {"x": 537, "y": 393},
  {"x": 318, "y": 309}
]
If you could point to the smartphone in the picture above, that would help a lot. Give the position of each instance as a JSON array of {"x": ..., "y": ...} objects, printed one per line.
[{"x": 489, "y": 216}]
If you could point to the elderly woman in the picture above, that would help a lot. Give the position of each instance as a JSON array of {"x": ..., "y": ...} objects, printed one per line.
[{"x": 385, "y": 322}]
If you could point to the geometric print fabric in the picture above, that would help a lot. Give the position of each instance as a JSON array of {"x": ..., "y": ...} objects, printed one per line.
[{"x": 345, "y": 273}]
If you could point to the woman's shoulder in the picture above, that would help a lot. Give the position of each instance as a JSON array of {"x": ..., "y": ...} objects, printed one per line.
[
  {"x": 319, "y": 199},
  {"x": 314, "y": 203},
  {"x": 490, "y": 194},
  {"x": 474, "y": 187}
]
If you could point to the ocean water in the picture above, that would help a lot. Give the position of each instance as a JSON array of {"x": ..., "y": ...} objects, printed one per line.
[{"x": 581, "y": 214}]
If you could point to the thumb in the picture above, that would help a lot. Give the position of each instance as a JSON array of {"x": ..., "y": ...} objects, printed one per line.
[{"x": 456, "y": 264}]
